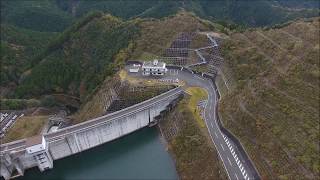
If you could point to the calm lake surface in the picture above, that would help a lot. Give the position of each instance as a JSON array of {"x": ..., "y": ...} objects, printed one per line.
[{"x": 140, "y": 155}]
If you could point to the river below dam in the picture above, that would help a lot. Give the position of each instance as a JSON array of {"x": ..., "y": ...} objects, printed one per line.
[{"x": 140, "y": 155}]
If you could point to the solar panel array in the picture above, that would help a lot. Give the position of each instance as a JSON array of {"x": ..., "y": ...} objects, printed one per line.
[{"x": 178, "y": 52}]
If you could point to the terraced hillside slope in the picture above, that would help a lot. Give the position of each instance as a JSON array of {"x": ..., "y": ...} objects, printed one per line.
[{"x": 272, "y": 104}]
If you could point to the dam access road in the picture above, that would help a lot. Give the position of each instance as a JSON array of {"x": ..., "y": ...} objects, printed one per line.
[{"x": 235, "y": 161}]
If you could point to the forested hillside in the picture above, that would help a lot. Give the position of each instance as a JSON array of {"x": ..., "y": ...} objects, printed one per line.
[
  {"x": 18, "y": 46},
  {"x": 249, "y": 13},
  {"x": 297, "y": 4},
  {"x": 29, "y": 28},
  {"x": 56, "y": 15},
  {"x": 269, "y": 82},
  {"x": 79, "y": 58},
  {"x": 272, "y": 104},
  {"x": 36, "y": 15}
]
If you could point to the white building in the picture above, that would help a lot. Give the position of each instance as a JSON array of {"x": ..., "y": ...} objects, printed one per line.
[
  {"x": 154, "y": 68},
  {"x": 134, "y": 70},
  {"x": 38, "y": 148}
]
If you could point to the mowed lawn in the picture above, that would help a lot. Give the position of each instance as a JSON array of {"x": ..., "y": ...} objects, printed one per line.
[{"x": 197, "y": 94}]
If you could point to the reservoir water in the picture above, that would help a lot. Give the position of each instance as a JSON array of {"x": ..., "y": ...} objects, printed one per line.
[{"x": 140, "y": 155}]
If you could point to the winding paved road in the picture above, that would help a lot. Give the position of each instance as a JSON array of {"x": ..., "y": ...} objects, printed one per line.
[{"x": 234, "y": 162}]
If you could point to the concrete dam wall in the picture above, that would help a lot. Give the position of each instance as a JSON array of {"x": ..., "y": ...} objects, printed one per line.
[
  {"x": 91, "y": 137},
  {"x": 23, "y": 154}
]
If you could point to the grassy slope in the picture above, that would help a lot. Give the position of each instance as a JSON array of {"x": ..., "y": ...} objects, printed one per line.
[
  {"x": 197, "y": 95},
  {"x": 274, "y": 107},
  {"x": 25, "y": 126},
  {"x": 191, "y": 146}
]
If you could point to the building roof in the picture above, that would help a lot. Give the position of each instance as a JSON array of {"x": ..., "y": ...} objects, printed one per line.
[
  {"x": 154, "y": 63},
  {"x": 34, "y": 140}
]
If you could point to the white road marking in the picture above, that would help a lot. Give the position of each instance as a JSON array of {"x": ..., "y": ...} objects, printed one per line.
[
  {"x": 215, "y": 143},
  {"x": 213, "y": 95},
  {"x": 229, "y": 161},
  {"x": 222, "y": 146},
  {"x": 236, "y": 176},
  {"x": 211, "y": 124},
  {"x": 215, "y": 134},
  {"x": 243, "y": 171},
  {"x": 199, "y": 77},
  {"x": 245, "y": 177}
]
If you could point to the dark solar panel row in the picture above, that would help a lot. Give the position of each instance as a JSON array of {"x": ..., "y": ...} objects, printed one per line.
[
  {"x": 186, "y": 36},
  {"x": 176, "y": 52},
  {"x": 180, "y": 44}
]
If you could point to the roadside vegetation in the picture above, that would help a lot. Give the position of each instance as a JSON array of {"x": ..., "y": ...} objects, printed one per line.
[
  {"x": 16, "y": 104},
  {"x": 190, "y": 144},
  {"x": 197, "y": 94},
  {"x": 273, "y": 107}
]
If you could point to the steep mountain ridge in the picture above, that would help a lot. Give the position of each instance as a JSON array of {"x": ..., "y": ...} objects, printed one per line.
[
  {"x": 56, "y": 15},
  {"x": 80, "y": 58},
  {"x": 35, "y": 15},
  {"x": 18, "y": 46}
]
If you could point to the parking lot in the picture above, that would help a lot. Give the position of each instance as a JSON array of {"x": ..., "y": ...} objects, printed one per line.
[{"x": 7, "y": 120}]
